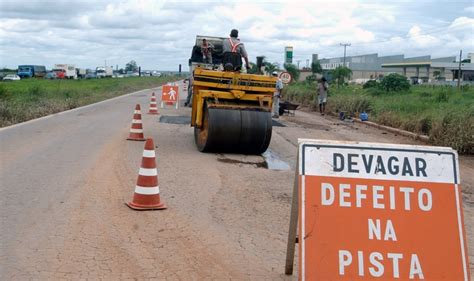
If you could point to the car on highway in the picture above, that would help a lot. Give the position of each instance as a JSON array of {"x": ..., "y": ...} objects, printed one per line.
[
  {"x": 51, "y": 75},
  {"x": 90, "y": 76},
  {"x": 11, "y": 77}
]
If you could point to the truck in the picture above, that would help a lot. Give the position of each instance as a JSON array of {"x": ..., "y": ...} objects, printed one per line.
[
  {"x": 231, "y": 111},
  {"x": 81, "y": 73},
  {"x": 104, "y": 71},
  {"x": 69, "y": 70},
  {"x": 29, "y": 71}
]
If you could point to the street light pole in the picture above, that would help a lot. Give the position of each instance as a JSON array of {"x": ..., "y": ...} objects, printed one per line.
[{"x": 345, "y": 45}]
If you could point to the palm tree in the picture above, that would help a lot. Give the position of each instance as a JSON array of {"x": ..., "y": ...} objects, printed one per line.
[
  {"x": 270, "y": 67},
  {"x": 340, "y": 73}
]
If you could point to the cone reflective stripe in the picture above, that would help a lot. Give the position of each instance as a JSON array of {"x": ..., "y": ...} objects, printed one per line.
[
  {"x": 147, "y": 190},
  {"x": 153, "y": 108},
  {"x": 136, "y": 131}
]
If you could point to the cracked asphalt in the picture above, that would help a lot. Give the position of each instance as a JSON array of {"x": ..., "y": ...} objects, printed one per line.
[{"x": 65, "y": 179}]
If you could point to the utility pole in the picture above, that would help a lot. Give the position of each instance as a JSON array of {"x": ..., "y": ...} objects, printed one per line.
[
  {"x": 459, "y": 70},
  {"x": 298, "y": 61},
  {"x": 345, "y": 45}
]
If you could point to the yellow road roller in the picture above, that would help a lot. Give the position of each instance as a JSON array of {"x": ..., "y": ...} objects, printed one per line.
[{"x": 231, "y": 111}]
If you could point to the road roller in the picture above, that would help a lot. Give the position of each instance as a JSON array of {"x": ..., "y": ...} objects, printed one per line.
[{"x": 231, "y": 111}]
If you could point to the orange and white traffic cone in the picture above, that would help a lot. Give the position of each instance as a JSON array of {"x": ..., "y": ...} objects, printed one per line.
[
  {"x": 147, "y": 190},
  {"x": 153, "y": 107},
  {"x": 136, "y": 131}
]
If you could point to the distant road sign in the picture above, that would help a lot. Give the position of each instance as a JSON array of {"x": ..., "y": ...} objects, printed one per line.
[
  {"x": 285, "y": 77},
  {"x": 170, "y": 95},
  {"x": 380, "y": 211}
]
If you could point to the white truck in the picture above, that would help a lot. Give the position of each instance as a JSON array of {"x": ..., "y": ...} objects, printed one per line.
[
  {"x": 104, "y": 71},
  {"x": 69, "y": 69}
]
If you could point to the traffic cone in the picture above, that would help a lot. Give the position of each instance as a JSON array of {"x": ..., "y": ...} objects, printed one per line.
[
  {"x": 153, "y": 108},
  {"x": 136, "y": 131},
  {"x": 147, "y": 190}
]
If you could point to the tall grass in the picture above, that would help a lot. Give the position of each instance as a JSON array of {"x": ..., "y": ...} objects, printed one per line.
[
  {"x": 32, "y": 98},
  {"x": 445, "y": 114}
]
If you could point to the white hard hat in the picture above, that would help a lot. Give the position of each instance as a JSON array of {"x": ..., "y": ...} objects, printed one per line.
[{"x": 274, "y": 73}]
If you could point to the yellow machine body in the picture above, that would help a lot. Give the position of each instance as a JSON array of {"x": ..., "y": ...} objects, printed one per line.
[{"x": 231, "y": 111}]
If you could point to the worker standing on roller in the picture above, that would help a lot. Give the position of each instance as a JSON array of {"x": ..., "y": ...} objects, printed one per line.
[
  {"x": 206, "y": 49},
  {"x": 277, "y": 96},
  {"x": 233, "y": 52}
]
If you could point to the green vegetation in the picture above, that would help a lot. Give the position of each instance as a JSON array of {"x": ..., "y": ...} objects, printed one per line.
[
  {"x": 32, "y": 98},
  {"x": 316, "y": 67},
  {"x": 293, "y": 70},
  {"x": 445, "y": 114},
  {"x": 340, "y": 73},
  {"x": 394, "y": 82}
]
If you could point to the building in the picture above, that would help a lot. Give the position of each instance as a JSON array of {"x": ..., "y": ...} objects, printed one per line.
[
  {"x": 427, "y": 69},
  {"x": 372, "y": 66},
  {"x": 417, "y": 69}
]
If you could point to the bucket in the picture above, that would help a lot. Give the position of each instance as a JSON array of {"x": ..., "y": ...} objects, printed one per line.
[{"x": 342, "y": 115}]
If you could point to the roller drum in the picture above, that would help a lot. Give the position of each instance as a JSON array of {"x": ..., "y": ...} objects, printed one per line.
[{"x": 234, "y": 131}]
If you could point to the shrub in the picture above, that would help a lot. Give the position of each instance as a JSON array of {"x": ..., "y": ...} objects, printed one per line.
[
  {"x": 455, "y": 129},
  {"x": 394, "y": 82},
  {"x": 375, "y": 91},
  {"x": 293, "y": 70},
  {"x": 311, "y": 78},
  {"x": 370, "y": 84},
  {"x": 350, "y": 103},
  {"x": 442, "y": 96}
]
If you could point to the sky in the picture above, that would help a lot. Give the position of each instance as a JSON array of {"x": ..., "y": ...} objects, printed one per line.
[{"x": 160, "y": 34}]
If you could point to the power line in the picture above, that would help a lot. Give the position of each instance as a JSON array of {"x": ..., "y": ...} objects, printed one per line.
[{"x": 345, "y": 45}]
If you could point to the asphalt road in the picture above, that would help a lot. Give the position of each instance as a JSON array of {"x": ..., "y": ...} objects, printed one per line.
[{"x": 65, "y": 179}]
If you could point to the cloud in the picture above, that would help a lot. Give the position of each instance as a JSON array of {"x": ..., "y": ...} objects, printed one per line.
[
  {"x": 160, "y": 34},
  {"x": 469, "y": 9}
]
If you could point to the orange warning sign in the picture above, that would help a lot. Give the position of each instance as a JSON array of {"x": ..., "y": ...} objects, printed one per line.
[
  {"x": 380, "y": 212},
  {"x": 169, "y": 94}
]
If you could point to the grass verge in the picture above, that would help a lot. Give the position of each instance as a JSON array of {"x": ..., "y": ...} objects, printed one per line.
[
  {"x": 28, "y": 99},
  {"x": 445, "y": 114}
]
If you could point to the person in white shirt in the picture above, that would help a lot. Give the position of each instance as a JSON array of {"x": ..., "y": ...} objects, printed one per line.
[{"x": 277, "y": 96}]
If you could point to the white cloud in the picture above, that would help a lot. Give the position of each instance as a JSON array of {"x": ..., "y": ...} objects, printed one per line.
[
  {"x": 469, "y": 9},
  {"x": 160, "y": 34}
]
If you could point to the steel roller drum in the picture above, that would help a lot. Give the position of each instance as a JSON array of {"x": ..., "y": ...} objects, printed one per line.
[{"x": 234, "y": 131}]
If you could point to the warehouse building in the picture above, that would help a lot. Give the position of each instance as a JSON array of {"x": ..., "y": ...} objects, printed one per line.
[{"x": 417, "y": 69}]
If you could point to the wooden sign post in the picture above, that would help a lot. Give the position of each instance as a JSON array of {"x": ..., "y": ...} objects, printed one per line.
[{"x": 377, "y": 212}]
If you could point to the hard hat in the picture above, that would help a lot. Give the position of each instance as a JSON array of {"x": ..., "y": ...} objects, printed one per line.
[{"x": 274, "y": 73}]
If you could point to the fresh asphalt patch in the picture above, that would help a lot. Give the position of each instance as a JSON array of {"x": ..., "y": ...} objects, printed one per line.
[
  {"x": 180, "y": 119},
  {"x": 185, "y": 120}
]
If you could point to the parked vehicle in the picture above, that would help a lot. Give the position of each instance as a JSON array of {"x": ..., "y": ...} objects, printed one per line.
[
  {"x": 90, "y": 75},
  {"x": 29, "y": 71},
  {"x": 132, "y": 74},
  {"x": 105, "y": 71},
  {"x": 11, "y": 77},
  {"x": 69, "y": 70},
  {"x": 51, "y": 75},
  {"x": 60, "y": 73},
  {"x": 81, "y": 72},
  {"x": 155, "y": 73}
]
